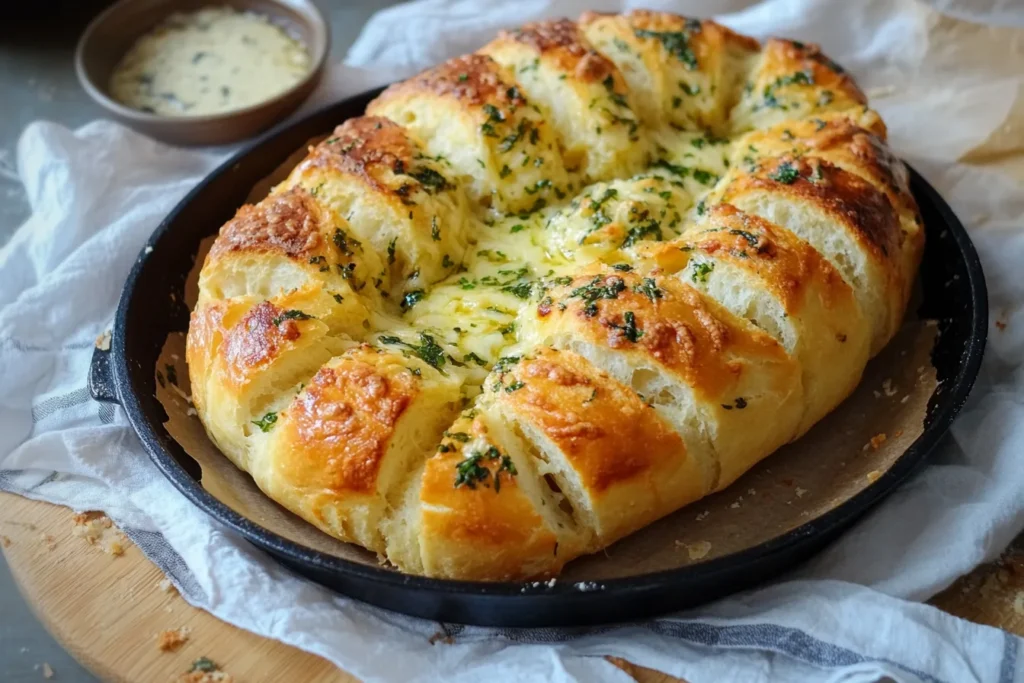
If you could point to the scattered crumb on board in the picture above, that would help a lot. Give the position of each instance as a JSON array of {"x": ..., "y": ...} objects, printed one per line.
[
  {"x": 873, "y": 476},
  {"x": 169, "y": 641},
  {"x": 47, "y": 670},
  {"x": 166, "y": 586},
  {"x": 5, "y": 541},
  {"x": 103, "y": 341},
  {"x": 97, "y": 529}
]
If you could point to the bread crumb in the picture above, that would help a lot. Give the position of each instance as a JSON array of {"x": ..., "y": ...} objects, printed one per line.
[
  {"x": 5, "y": 542},
  {"x": 1000, "y": 325},
  {"x": 50, "y": 541},
  {"x": 169, "y": 641},
  {"x": 97, "y": 529},
  {"x": 103, "y": 341},
  {"x": 876, "y": 442},
  {"x": 800, "y": 492},
  {"x": 888, "y": 388},
  {"x": 167, "y": 586},
  {"x": 441, "y": 637},
  {"x": 873, "y": 476},
  {"x": 905, "y": 398},
  {"x": 698, "y": 550},
  {"x": 47, "y": 671},
  {"x": 702, "y": 516},
  {"x": 751, "y": 492}
]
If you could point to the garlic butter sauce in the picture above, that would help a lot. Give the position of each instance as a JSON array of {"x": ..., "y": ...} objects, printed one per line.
[{"x": 211, "y": 61}]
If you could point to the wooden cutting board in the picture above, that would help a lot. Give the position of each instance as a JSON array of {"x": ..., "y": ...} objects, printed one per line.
[{"x": 108, "y": 610}]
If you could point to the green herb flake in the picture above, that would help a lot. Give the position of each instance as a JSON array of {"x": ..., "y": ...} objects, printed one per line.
[
  {"x": 785, "y": 173},
  {"x": 412, "y": 298},
  {"x": 204, "y": 664},
  {"x": 701, "y": 271},
  {"x": 266, "y": 422},
  {"x": 291, "y": 314},
  {"x": 676, "y": 43},
  {"x": 649, "y": 288}
]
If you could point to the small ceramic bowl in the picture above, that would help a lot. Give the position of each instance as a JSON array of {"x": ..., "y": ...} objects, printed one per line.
[{"x": 113, "y": 32}]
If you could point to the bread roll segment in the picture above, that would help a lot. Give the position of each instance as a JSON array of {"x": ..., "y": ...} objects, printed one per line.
[
  {"x": 547, "y": 293},
  {"x": 580, "y": 92},
  {"x": 706, "y": 371},
  {"x": 470, "y": 112}
]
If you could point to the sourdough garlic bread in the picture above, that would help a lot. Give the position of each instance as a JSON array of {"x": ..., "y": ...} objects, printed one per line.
[{"x": 547, "y": 293}]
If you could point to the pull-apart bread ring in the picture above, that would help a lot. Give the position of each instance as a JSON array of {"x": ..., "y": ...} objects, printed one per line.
[{"x": 547, "y": 293}]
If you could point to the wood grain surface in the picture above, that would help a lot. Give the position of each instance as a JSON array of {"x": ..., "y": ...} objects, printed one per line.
[{"x": 109, "y": 610}]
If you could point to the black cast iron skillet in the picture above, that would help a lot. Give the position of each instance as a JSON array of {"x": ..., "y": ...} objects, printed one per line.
[{"x": 954, "y": 294}]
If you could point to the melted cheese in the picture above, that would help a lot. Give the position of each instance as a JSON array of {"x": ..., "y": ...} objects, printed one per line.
[
  {"x": 208, "y": 62},
  {"x": 473, "y": 313}
]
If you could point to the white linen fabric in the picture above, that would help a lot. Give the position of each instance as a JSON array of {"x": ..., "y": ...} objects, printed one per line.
[{"x": 948, "y": 90}]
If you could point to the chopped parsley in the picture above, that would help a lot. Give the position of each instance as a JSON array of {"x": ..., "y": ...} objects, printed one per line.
[
  {"x": 291, "y": 314},
  {"x": 701, "y": 271},
  {"x": 676, "y": 43},
  {"x": 785, "y": 173},
  {"x": 704, "y": 177},
  {"x": 649, "y": 288},
  {"x": 344, "y": 242},
  {"x": 643, "y": 232},
  {"x": 204, "y": 664},
  {"x": 431, "y": 180},
  {"x": 750, "y": 237},
  {"x": 598, "y": 288},
  {"x": 435, "y": 230},
  {"x": 629, "y": 328},
  {"x": 428, "y": 350},
  {"x": 412, "y": 298},
  {"x": 391, "y": 251},
  {"x": 473, "y": 358},
  {"x": 266, "y": 422},
  {"x": 514, "y": 386}
]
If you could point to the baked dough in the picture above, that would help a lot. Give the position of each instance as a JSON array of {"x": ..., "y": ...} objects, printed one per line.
[{"x": 547, "y": 293}]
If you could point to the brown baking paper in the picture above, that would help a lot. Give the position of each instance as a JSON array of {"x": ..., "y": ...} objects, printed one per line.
[{"x": 841, "y": 456}]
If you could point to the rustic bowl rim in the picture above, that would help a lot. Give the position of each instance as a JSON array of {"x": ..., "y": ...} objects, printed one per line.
[{"x": 307, "y": 12}]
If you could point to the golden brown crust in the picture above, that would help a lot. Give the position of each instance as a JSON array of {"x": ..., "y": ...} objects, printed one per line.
[
  {"x": 561, "y": 41},
  {"x": 381, "y": 154},
  {"x": 679, "y": 328},
  {"x": 787, "y": 58},
  {"x": 483, "y": 525},
  {"x": 702, "y": 36},
  {"x": 840, "y": 141},
  {"x": 849, "y": 198},
  {"x": 257, "y": 339},
  {"x": 287, "y": 223},
  {"x": 339, "y": 427},
  {"x": 607, "y": 433},
  {"x": 473, "y": 79},
  {"x": 785, "y": 264}
]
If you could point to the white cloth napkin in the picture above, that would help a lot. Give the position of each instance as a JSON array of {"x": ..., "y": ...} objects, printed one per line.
[{"x": 848, "y": 615}]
